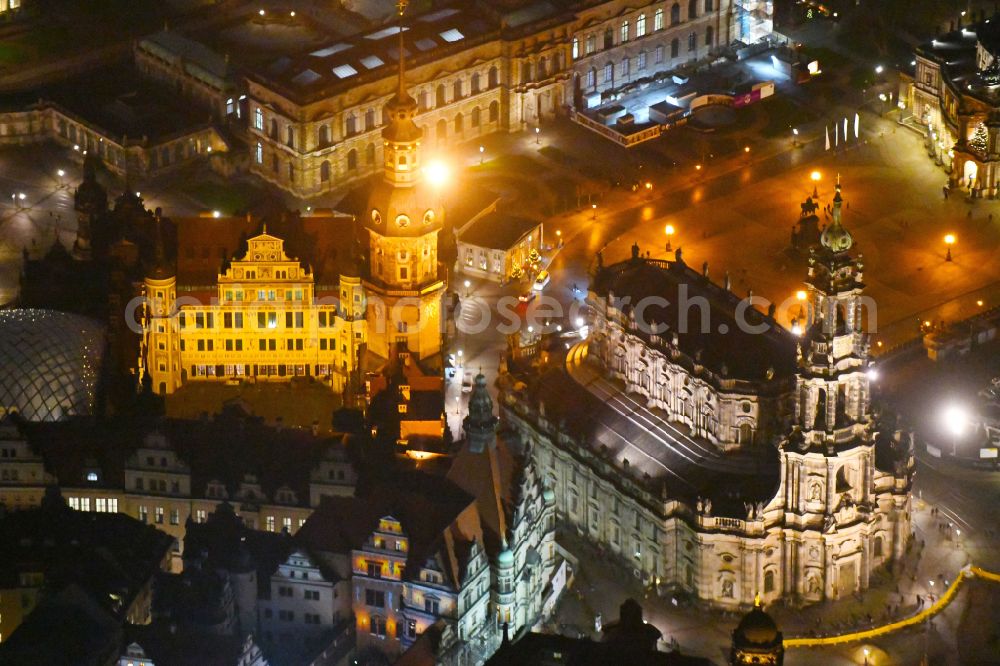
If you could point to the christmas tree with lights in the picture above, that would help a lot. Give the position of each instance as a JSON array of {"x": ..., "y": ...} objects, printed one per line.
[{"x": 979, "y": 139}]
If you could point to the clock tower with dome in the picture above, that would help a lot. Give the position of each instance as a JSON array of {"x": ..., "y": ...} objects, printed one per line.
[{"x": 403, "y": 278}]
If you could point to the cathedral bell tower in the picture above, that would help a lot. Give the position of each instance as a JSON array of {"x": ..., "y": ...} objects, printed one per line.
[
  {"x": 828, "y": 460},
  {"x": 834, "y": 347},
  {"x": 402, "y": 221}
]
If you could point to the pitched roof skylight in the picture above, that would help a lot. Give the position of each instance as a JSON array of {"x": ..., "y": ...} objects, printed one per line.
[
  {"x": 425, "y": 44},
  {"x": 306, "y": 77},
  {"x": 438, "y": 15},
  {"x": 344, "y": 71},
  {"x": 330, "y": 50},
  {"x": 385, "y": 32},
  {"x": 372, "y": 61},
  {"x": 452, "y": 35}
]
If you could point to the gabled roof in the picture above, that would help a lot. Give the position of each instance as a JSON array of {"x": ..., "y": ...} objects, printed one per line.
[{"x": 439, "y": 519}]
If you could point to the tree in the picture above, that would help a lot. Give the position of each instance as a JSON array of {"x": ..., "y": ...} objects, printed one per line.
[{"x": 979, "y": 139}]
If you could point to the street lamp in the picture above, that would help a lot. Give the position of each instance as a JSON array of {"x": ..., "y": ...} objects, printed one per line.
[
  {"x": 538, "y": 138},
  {"x": 559, "y": 237},
  {"x": 815, "y": 177},
  {"x": 594, "y": 208},
  {"x": 949, "y": 240},
  {"x": 795, "y": 137},
  {"x": 866, "y": 653},
  {"x": 482, "y": 149},
  {"x": 879, "y": 69},
  {"x": 955, "y": 419},
  {"x": 467, "y": 285},
  {"x": 670, "y": 232}
]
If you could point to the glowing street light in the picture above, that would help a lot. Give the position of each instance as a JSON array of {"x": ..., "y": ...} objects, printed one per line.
[
  {"x": 949, "y": 240},
  {"x": 216, "y": 214},
  {"x": 538, "y": 139},
  {"x": 955, "y": 421},
  {"x": 262, "y": 12},
  {"x": 800, "y": 295},
  {"x": 879, "y": 69},
  {"x": 482, "y": 149},
  {"x": 437, "y": 173},
  {"x": 815, "y": 177},
  {"x": 669, "y": 230},
  {"x": 866, "y": 653},
  {"x": 594, "y": 208}
]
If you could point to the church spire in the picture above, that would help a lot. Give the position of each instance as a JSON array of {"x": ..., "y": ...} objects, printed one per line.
[{"x": 400, "y": 10}]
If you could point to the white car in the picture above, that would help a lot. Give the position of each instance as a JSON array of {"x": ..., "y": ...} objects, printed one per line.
[{"x": 542, "y": 280}]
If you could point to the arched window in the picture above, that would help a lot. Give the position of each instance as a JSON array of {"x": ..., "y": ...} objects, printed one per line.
[
  {"x": 274, "y": 129},
  {"x": 475, "y": 116},
  {"x": 369, "y": 119},
  {"x": 768, "y": 581},
  {"x": 290, "y": 136},
  {"x": 475, "y": 83},
  {"x": 494, "y": 111},
  {"x": 609, "y": 38},
  {"x": 425, "y": 100},
  {"x": 440, "y": 99},
  {"x": 576, "y": 48},
  {"x": 457, "y": 89},
  {"x": 877, "y": 547},
  {"x": 692, "y": 41},
  {"x": 324, "y": 135},
  {"x": 675, "y": 48},
  {"x": 352, "y": 160},
  {"x": 370, "y": 154},
  {"x": 708, "y": 36},
  {"x": 459, "y": 123},
  {"x": 592, "y": 78},
  {"x": 350, "y": 125},
  {"x": 675, "y": 14},
  {"x": 609, "y": 73},
  {"x": 658, "y": 19},
  {"x": 624, "y": 32},
  {"x": 542, "y": 69},
  {"x": 324, "y": 171},
  {"x": 525, "y": 72},
  {"x": 494, "y": 77},
  {"x": 692, "y": 9},
  {"x": 442, "y": 130}
]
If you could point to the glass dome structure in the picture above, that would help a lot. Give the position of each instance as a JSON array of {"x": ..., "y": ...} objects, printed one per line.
[{"x": 49, "y": 363}]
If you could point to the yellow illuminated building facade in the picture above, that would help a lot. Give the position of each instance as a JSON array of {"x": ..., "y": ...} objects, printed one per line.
[{"x": 264, "y": 324}]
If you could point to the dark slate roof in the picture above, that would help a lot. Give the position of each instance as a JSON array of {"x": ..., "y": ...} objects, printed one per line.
[
  {"x": 165, "y": 645},
  {"x": 536, "y": 649},
  {"x": 68, "y": 628},
  {"x": 426, "y": 506},
  {"x": 323, "y": 241},
  {"x": 373, "y": 55},
  {"x": 102, "y": 553},
  {"x": 497, "y": 230},
  {"x": 743, "y": 355},
  {"x": 225, "y": 448},
  {"x": 687, "y": 471}
]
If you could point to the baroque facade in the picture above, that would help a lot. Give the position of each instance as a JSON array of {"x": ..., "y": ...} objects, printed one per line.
[
  {"x": 955, "y": 96},
  {"x": 728, "y": 465},
  {"x": 314, "y": 118}
]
